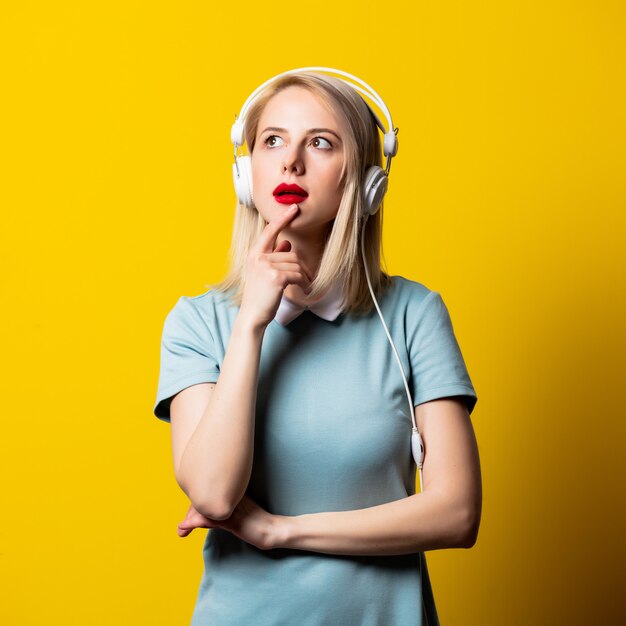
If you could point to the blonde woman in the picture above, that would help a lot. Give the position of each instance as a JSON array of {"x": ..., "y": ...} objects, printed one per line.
[{"x": 290, "y": 431}]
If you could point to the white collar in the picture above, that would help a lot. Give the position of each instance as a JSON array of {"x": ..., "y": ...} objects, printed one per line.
[{"x": 328, "y": 307}]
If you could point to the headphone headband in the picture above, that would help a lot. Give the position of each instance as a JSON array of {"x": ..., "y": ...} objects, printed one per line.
[{"x": 390, "y": 143}]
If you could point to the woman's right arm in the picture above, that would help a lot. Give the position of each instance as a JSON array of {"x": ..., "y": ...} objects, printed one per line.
[
  {"x": 213, "y": 423},
  {"x": 213, "y": 427}
]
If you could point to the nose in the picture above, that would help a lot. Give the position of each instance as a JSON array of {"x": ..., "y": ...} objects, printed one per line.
[{"x": 292, "y": 162}]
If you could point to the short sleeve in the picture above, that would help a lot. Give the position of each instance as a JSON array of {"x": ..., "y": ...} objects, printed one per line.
[
  {"x": 187, "y": 355},
  {"x": 437, "y": 366}
]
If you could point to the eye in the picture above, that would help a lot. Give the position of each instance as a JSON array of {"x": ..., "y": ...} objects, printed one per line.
[
  {"x": 272, "y": 141},
  {"x": 320, "y": 142}
]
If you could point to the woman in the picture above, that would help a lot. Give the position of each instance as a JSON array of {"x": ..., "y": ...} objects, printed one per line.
[{"x": 290, "y": 433}]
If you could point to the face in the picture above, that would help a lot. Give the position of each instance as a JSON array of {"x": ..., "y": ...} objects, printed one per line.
[{"x": 297, "y": 158}]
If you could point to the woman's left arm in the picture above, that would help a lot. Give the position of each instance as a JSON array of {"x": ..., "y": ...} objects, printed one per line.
[{"x": 446, "y": 514}]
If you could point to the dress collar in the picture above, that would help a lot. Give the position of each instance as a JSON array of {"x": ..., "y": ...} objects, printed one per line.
[{"x": 328, "y": 307}]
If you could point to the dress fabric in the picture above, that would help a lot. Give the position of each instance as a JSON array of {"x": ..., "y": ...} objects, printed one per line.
[{"x": 332, "y": 433}]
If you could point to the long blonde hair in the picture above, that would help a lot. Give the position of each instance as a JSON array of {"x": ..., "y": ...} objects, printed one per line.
[{"x": 341, "y": 260}]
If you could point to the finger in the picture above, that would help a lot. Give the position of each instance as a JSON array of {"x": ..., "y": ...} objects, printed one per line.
[
  {"x": 283, "y": 246},
  {"x": 284, "y": 257},
  {"x": 281, "y": 256},
  {"x": 267, "y": 239},
  {"x": 286, "y": 266},
  {"x": 197, "y": 521},
  {"x": 297, "y": 278},
  {"x": 194, "y": 522}
]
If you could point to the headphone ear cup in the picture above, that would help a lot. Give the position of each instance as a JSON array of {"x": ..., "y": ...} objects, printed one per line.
[
  {"x": 242, "y": 177},
  {"x": 374, "y": 189}
]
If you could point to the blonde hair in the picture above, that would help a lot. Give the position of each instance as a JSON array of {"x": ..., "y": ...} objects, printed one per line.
[{"x": 341, "y": 260}]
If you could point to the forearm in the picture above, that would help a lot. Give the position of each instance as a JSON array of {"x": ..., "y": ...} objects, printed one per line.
[
  {"x": 216, "y": 465},
  {"x": 424, "y": 521}
]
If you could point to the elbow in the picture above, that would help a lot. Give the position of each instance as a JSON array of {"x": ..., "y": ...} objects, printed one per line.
[
  {"x": 206, "y": 504},
  {"x": 215, "y": 510},
  {"x": 468, "y": 528},
  {"x": 210, "y": 506},
  {"x": 463, "y": 522}
]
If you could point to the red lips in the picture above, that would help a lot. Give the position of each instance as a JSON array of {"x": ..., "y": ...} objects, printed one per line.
[{"x": 289, "y": 194}]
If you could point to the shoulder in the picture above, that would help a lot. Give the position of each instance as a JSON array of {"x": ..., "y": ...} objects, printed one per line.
[
  {"x": 411, "y": 295},
  {"x": 206, "y": 317},
  {"x": 206, "y": 306},
  {"x": 412, "y": 287},
  {"x": 417, "y": 306}
]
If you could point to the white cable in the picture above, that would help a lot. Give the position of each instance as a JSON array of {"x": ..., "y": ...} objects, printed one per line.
[{"x": 382, "y": 319}]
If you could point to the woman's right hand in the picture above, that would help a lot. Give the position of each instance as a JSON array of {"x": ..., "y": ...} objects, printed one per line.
[{"x": 270, "y": 268}]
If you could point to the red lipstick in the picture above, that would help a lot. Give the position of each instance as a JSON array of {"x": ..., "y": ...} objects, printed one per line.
[{"x": 289, "y": 194}]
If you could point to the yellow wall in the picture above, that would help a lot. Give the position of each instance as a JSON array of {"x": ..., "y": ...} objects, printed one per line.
[{"x": 507, "y": 196}]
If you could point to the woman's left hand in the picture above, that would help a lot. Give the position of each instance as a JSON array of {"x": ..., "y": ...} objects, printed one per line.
[{"x": 248, "y": 521}]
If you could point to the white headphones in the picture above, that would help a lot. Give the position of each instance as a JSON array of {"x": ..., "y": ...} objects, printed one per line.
[{"x": 376, "y": 179}]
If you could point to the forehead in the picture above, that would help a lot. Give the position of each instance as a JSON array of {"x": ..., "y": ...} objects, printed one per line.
[{"x": 296, "y": 106}]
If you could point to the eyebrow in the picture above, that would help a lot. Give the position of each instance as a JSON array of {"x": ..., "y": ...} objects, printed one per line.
[{"x": 310, "y": 131}]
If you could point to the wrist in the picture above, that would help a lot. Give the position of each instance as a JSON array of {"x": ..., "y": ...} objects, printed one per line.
[
  {"x": 248, "y": 325},
  {"x": 284, "y": 531}
]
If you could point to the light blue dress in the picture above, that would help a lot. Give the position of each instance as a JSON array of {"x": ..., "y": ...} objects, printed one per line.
[{"x": 333, "y": 433}]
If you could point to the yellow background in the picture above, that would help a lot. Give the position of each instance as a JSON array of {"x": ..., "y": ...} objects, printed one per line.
[{"x": 507, "y": 196}]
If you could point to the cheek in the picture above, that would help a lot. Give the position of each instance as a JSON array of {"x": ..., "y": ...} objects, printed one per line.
[
  {"x": 336, "y": 174},
  {"x": 258, "y": 173},
  {"x": 262, "y": 165}
]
